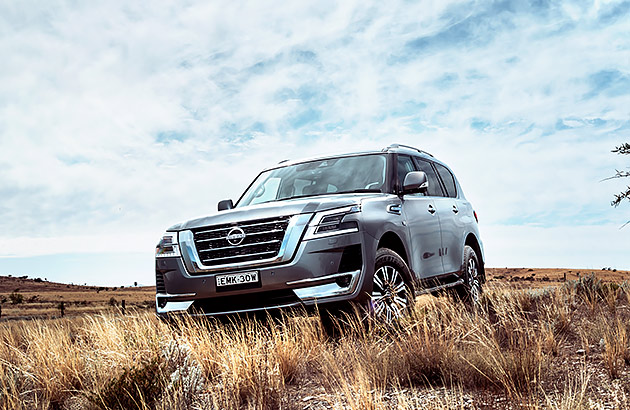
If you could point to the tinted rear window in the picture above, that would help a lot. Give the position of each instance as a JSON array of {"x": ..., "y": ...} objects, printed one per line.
[{"x": 448, "y": 179}]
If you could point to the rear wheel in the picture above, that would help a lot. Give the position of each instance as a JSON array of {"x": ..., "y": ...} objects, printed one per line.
[
  {"x": 470, "y": 291},
  {"x": 392, "y": 294}
]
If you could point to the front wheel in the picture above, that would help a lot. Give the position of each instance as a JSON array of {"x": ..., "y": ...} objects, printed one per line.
[
  {"x": 392, "y": 294},
  {"x": 470, "y": 291}
]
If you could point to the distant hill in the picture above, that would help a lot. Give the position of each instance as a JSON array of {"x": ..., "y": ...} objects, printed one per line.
[{"x": 23, "y": 297}]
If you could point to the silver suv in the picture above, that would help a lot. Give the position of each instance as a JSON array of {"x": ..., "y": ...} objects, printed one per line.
[{"x": 373, "y": 228}]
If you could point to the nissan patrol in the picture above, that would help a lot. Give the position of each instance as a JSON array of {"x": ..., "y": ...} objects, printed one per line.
[{"x": 373, "y": 228}]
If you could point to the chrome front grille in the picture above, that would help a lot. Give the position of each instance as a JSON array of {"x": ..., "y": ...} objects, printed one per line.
[{"x": 262, "y": 241}]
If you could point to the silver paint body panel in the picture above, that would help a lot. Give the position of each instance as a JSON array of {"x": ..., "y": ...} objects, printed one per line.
[{"x": 433, "y": 243}]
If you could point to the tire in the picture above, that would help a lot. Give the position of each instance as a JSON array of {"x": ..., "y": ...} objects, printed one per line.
[
  {"x": 392, "y": 295},
  {"x": 470, "y": 291}
]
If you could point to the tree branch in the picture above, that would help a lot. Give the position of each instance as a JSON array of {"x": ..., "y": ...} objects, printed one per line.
[
  {"x": 622, "y": 149},
  {"x": 620, "y": 197},
  {"x": 619, "y": 174}
]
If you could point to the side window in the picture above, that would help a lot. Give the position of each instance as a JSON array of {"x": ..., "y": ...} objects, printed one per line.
[
  {"x": 434, "y": 184},
  {"x": 405, "y": 165},
  {"x": 448, "y": 179}
]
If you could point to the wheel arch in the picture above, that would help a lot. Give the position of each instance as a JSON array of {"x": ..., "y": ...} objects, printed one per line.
[
  {"x": 392, "y": 241},
  {"x": 473, "y": 242}
]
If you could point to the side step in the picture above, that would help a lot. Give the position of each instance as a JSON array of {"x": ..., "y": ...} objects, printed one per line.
[{"x": 424, "y": 291}]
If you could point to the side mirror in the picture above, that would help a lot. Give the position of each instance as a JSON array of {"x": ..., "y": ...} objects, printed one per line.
[
  {"x": 415, "y": 181},
  {"x": 226, "y": 204}
]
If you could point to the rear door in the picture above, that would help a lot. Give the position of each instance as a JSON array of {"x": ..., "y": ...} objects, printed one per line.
[{"x": 423, "y": 222}]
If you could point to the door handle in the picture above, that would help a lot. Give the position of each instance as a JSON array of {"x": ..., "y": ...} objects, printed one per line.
[
  {"x": 431, "y": 209},
  {"x": 394, "y": 209},
  {"x": 455, "y": 210}
]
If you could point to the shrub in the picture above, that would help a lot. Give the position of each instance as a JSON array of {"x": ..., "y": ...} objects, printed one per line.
[
  {"x": 589, "y": 288},
  {"x": 133, "y": 389},
  {"x": 16, "y": 298}
]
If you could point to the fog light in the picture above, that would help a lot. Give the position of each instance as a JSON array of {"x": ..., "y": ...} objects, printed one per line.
[{"x": 343, "y": 281}]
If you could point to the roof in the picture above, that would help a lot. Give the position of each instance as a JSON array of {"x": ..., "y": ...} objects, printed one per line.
[{"x": 393, "y": 148}]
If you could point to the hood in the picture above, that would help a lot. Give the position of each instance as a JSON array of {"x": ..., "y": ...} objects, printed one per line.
[{"x": 275, "y": 209}]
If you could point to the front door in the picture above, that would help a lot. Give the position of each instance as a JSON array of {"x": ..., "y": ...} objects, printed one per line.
[{"x": 423, "y": 224}]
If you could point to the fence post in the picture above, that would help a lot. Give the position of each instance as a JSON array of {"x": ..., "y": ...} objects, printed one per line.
[
  {"x": 123, "y": 306},
  {"x": 62, "y": 308}
]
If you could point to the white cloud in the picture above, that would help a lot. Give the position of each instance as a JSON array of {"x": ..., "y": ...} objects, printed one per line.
[
  {"x": 559, "y": 247},
  {"x": 119, "y": 119},
  {"x": 87, "y": 243}
]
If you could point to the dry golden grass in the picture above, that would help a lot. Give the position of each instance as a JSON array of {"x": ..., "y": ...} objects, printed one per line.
[
  {"x": 41, "y": 299},
  {"x": 519, "y": 349},
  {"x": 527, "y": 278}
]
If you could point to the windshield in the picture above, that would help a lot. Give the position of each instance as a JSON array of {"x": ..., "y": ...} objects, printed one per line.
[{"x": 364, "y": 173}]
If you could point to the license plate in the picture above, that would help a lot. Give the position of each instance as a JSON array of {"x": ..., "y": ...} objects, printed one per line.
[{"x": 237, "y": 279}]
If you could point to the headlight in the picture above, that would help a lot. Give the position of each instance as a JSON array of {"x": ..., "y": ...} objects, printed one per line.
[
  {"x": 332, "y": 222},
  {"x": 168, "y": 246}
]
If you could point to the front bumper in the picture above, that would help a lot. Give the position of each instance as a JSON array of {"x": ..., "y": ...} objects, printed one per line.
[{"x": 324, "y": 270}]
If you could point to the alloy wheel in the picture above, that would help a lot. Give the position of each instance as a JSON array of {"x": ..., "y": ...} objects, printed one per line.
[
  {"x": 472, "y": 270},
  {"x": 390, "y": 299}
]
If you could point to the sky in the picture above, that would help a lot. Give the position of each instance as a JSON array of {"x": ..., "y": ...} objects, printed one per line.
[{"x": 119, "y": 119}]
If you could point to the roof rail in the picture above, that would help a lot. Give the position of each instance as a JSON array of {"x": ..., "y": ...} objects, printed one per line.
[{"x": 408, "y": 147}]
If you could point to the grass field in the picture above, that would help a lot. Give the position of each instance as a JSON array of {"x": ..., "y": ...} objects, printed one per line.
[
  {"x": 562, "y": 346},
  {"x": 42, "y": 299}
]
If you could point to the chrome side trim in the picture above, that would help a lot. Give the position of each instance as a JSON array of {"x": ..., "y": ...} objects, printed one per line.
[
  {"x": 441, "y": 287},
  {"x": 330, "y": 289},
  {"x": 289, "y": 244},
  {"x": 310, "y": 281}
]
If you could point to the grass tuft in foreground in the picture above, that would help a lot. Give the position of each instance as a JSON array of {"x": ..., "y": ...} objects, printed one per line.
[{"x": 566, "y": 348}]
